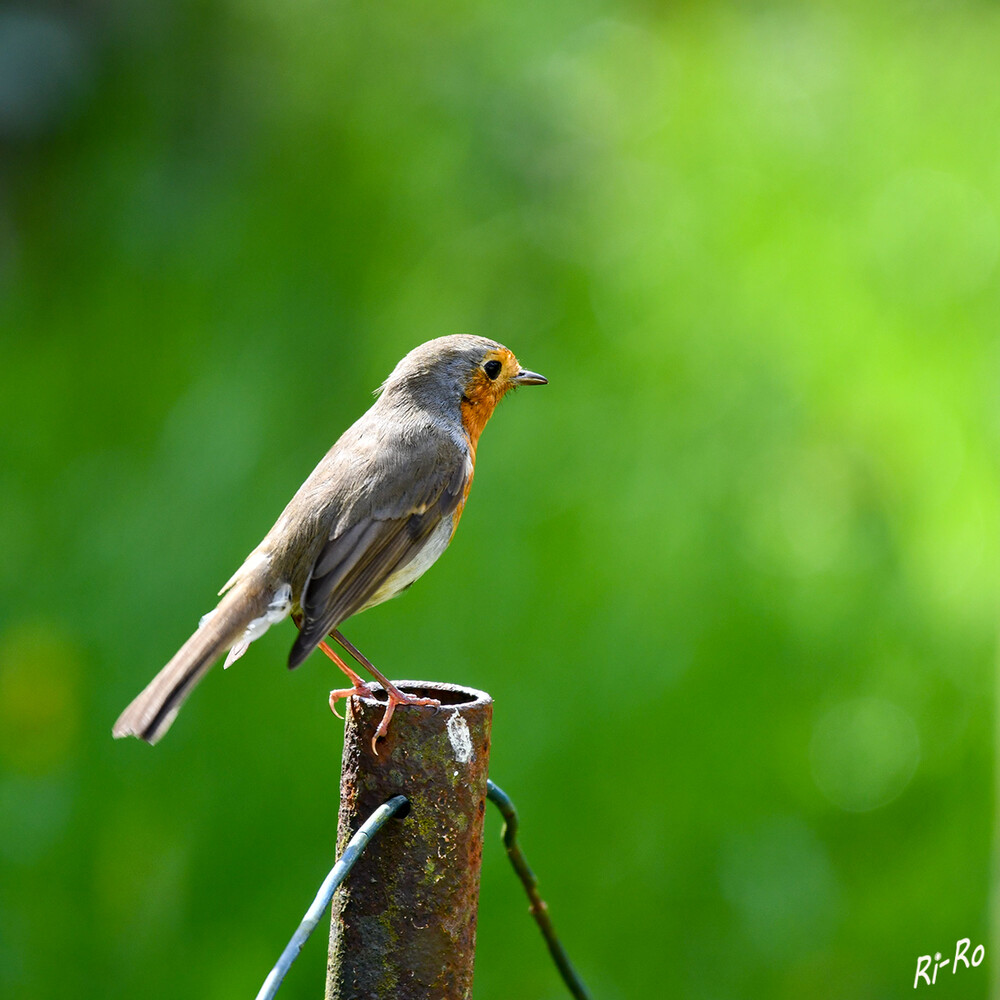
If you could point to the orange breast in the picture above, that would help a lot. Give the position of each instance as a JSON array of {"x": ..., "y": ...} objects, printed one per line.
[
  {"x": 477, "y": 407},
  {"x": 476, "y": 410},
  {"x": 457, "y": 515},
  {"x": 478, "y": 403}
]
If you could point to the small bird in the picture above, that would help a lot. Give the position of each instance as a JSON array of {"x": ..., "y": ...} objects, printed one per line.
[{"x": 373, "y": 516}]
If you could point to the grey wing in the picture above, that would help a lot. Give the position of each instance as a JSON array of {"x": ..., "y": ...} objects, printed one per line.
[{"x": 385, "y": 534}]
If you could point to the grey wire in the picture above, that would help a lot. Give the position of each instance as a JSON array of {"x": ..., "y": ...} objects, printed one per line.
[
  {"x": 539, "y": 909},
  {"x": 338, "y": 873}
]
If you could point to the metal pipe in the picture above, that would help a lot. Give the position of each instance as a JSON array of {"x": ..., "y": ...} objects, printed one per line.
[{"x": 404, "y": 922}]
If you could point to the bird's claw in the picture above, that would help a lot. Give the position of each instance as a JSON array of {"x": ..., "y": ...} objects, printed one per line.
[
  {"x": 361, "y": 689},
  {"x": 397, "y": 697}
]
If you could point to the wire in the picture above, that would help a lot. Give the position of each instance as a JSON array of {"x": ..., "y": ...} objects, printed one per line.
[
  {"x": 539, "y": 910},
  {"x": 338, "y": 873}
]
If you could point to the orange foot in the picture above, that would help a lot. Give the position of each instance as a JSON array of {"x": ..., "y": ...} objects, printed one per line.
[
  {"x": 395, "y": 696},
  {"x": 360, "y": 688},
  {"x": 363, "y": 690}
]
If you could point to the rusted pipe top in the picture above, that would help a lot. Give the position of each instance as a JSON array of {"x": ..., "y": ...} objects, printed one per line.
[
  {"x": 460, "y": 707},
  {"x": 453, "y": 695}
]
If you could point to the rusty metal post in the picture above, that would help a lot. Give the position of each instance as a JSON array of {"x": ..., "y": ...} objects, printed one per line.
[{"x": 404, "y": 922}]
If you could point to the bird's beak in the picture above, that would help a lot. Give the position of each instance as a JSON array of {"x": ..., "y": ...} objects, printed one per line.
[{"x": 529, "y": 378}]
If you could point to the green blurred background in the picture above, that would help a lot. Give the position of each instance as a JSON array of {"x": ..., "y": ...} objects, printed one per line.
[{"x": 731, "y": 577}]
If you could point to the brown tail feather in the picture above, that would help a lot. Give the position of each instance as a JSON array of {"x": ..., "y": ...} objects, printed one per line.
[{"x": 151, "y": 713}]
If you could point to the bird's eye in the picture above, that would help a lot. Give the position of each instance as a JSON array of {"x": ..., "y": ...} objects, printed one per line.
[{"x": 492, "y": 368}]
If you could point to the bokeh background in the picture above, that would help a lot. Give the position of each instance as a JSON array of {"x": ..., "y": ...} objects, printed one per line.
[{"x": 730, "y": 577}]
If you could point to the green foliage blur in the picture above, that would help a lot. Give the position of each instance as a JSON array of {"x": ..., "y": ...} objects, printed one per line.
[{"x": 730, "y": 577}]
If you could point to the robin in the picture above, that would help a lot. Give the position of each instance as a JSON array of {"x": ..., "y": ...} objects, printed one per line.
[{"x": 373, "y": 516}]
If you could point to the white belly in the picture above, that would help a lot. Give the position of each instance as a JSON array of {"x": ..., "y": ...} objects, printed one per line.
[{"x": 416, "y": 567}]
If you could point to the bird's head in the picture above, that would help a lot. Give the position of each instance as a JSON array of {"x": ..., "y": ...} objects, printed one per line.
[{"x": 460, "y": 374}]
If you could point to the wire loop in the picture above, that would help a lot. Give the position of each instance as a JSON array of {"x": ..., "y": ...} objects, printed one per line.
[
  {"x": 539, "y": 909},
  {"x": 331, "y": 883}
]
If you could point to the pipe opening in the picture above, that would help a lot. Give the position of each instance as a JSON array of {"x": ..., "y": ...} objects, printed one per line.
[
  {"x": 446, "y": 697},
  {"x": 450, "y": 695}
]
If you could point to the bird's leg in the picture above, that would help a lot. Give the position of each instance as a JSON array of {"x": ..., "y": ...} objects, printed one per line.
[
  {"x": 396, "y": 697},
  {"x": 360, "y": 687}
]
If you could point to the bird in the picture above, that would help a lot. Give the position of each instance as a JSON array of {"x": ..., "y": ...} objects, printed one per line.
[{"x": 373, "y": 516}]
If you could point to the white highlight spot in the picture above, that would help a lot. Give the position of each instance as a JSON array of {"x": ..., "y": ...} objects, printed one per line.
[
  {"x": 461, "y": 739},
  {"x": 278, "y": 609}
]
